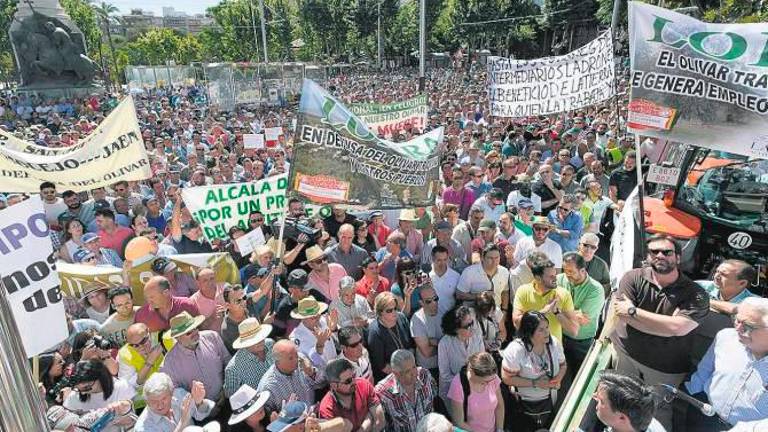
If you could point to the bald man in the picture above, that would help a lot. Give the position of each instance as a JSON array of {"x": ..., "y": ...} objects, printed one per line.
[
  {"x": 139, "y": 358},
  {"x": 291, "y": 374},
  {"x": 161, "y": 305},
  {"x": 209, "y": 300}
]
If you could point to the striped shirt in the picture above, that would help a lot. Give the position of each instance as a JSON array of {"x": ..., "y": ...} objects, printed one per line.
[
  {"x": 246, "y": 368},
  {"x": 281, "y": 386},
  {"x": 401, "y": 412}
]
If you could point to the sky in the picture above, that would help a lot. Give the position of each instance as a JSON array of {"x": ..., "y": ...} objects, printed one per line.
[{"x": 156, "y": 6}]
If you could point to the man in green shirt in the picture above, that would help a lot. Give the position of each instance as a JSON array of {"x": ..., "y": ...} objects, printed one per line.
[{"x": 588, "y": 299}]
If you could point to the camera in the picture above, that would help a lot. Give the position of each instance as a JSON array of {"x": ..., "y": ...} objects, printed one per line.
[
  {"x": 100, "y": 343},
  {"x": 294, "y": 227}
]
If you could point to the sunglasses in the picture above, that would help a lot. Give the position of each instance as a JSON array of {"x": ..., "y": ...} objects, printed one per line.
[
  {"x": 564, "y": 209},
  {"x": 354, "y": 345},
  {"x": 540, "y": 228},
  {"x": 589, "y": 246},
  {"x": 389, "y": 310},
  {"x": 434, "y": 299},
  {"x": 468, "y": 325},
  {"x": 665, "y": 252},
  {"x": 141, "y": 342},
  {"x": 257, "y": 220}
]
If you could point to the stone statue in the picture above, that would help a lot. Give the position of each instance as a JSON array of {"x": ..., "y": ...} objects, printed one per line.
[{"x": 49, "y": 51}]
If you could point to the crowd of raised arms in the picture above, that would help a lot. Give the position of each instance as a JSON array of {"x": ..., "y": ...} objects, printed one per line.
[{"x": 472, "y": 314}]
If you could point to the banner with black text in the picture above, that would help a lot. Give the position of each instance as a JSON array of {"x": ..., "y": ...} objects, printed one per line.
[
  {"x": 522, "y": 88},
  {"x": 698, "y": 83},
  {"x": 114, "y": 151},
  {"x": 29, "y": 276},
  {"x": 337, "y": 158},
  {"x": 386, "y": 120}
]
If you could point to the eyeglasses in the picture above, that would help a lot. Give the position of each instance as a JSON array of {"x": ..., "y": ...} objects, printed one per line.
[
  {"x": 564, "y": 209},
  {"x": 241, "y": 300},
  {"x": 745, "y": 328},
  {"x": 354, "y": 345},
  {"x": 468, "y": 325},
  {"x": 665, "y": 252},
  {"x": 589, "y": 246},
  {"x": 389, "y": 310},
  {"x": 141, "y": 342},
  {"x": 540, "y": 228},
  {"x": 434, "y": 299},
  {"x": 257, "y": 220}
]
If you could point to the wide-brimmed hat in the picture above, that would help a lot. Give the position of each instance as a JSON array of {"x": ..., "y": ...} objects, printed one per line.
[
  {"x": 408, "y": 215},
  {"x": 251, "y": 333},
  {"x": 183, "y": 323},
  {"x": 541, "y": 220},
  {"x": 487, "y": 225},
  {"x": 313, "y": 253},
  {"x": 291, "y": 414},
  {"x": 308, "y": 307},
  {"x": 246, "y": 401},
  {"x": 93, "y": 287}
]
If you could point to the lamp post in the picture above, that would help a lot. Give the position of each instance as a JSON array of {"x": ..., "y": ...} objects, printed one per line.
[
  {"x": 422, "y": 43},
  {"x": 263, "y": 30}
]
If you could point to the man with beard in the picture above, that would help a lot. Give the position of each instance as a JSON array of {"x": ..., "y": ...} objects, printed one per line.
[
  {"x": 657, "y": 309},
  {"x": 85, "y": 213},
  {"x": 623, "y": 180},
  {"x": 351, "y": 398},
  {"x": 540, "y": 242}
]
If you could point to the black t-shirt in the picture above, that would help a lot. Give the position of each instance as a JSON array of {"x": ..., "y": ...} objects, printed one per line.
[
  {"x": 546, "y": 194},
  {"x": 664, "y": 354},
  {"x": 506, "y": 185},
  {"x": 189, "y": 246},
  {"x": 624, "y": 181},
  {"x": 332, "y": 226}
]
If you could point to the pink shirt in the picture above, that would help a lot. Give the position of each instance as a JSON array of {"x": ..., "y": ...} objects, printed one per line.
[
  {"x": 115, "y": 240},
  {"x": 381, "y": 233},
  {"x": 414, "y": 243},
  {"x": 329, "y": 288},
  {"x": 481, "y": 407},
  {"x": 207, "y": 307},
  {"x": 462, "y": 198}
]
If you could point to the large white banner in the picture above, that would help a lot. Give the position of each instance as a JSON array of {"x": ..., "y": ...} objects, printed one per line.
[
  {"x": 521, "y": 88},
  {"x": 698, "y": 83},
  {"x": 218, "y": 208},
  {"x": 386, "y": 120},
  {"x": 29, "y": 276},
  {"x": 114, "y": 151}
]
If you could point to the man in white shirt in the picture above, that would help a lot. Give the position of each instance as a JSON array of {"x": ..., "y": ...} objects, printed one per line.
[
  {"x": 444, "y": 279},
  {"x": 53, "y": 205},
  {"x": 313, "y": 335},
  {"x": 487, "y": 275},
  {"x": 540, "y": 242}
]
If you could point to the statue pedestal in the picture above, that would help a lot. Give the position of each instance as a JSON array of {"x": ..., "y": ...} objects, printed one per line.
[{"x": 46, "y": 92}]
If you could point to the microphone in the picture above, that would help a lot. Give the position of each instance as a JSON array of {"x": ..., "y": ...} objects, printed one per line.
[{"x": 705, "y": 408}]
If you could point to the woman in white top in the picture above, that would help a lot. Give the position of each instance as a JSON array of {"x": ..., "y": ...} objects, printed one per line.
[
  {"x": 462, "y": 338},
  {"x": 353, "y": 309},
  {"x": 95, "y": 388},
  {"x": 71, "y": 239},
  {"x": 534, "y": 363}
]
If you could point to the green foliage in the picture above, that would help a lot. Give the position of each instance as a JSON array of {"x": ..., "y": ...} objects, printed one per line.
[
  {"x": 85, "y": 18},
  {"x": 740, "y": 11},
  {"x": 159, "y": 45},
  {"x": 7, "y": 9}
]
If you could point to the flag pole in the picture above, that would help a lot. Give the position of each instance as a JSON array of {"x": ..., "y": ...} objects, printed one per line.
[
  {"x": 640, "y": 192},
  {"x": 23, "y": 408}
]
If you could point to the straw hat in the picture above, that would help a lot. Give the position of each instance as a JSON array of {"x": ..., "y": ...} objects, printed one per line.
[
  {"x": 251, "y": 333},
  {"x": 313, "y": 253},
  {"x": 183, "y": 323},
  {"x": 408, "y": 215},
  {"x": 308, "y": 307},
  {"x": 246, "y": 401},
  {"x": 93, "y": 287}
]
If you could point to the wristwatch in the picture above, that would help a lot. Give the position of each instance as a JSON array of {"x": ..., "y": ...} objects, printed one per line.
[{"x": 632, "y": 311}]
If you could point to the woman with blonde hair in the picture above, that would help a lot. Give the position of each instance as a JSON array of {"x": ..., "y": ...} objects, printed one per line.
[{"x": 388, "y": 333}]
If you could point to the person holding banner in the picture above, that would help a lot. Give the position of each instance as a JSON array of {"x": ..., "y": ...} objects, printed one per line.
[{"x": 161, "y": 305}]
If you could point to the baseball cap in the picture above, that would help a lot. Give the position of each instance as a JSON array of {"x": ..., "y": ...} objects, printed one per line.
[
  {"x": 525, "y": 203},
  {"x": 89, "y": 237},
  {"x": 497, "y": 193},
  {"x": 443, "y": 225},
  {"x": 298, "y": 278},
  {"x": 163, "y": 265},
  {"x": 82, "y": 255},
  {"x": 487, "y": 225},
  {"x": 101, "y": 204},
  {"x": 291, "y": 414}
]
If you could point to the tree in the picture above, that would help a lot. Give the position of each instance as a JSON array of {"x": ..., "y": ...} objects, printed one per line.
[
  {"x": 105, "y": 12},
  {"x": 85, "y": 19},
  {"x": 160, "y": 45},
  {"x": 7, "y": 9}
]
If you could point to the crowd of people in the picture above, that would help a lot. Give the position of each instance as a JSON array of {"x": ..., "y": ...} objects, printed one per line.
[{"x": 472, "y": 314}]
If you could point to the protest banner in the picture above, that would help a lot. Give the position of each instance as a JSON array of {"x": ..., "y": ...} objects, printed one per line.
[
  {"x": 273, "y": 133},
  {"x": 337, "y": 158},
  {"x": 75, "y": 277},
  {"x": 521, "y": 88},
  {"x": 114, "y": 151},
  {"x": 253, "y": 141},
  {"x": 388, "y": 119},
  {"x": 219, "y": 207},
  {"x": 29, "y": 276},
  {"x": 698, "y": 83}
]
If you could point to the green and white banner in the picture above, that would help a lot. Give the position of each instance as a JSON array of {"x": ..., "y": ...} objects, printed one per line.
[
  {"x": 339, "y": 159},
  {"x": 386, "y": 120},
  {"x": 698, "y": 83},
  {"x": 219, "y": 207}
]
